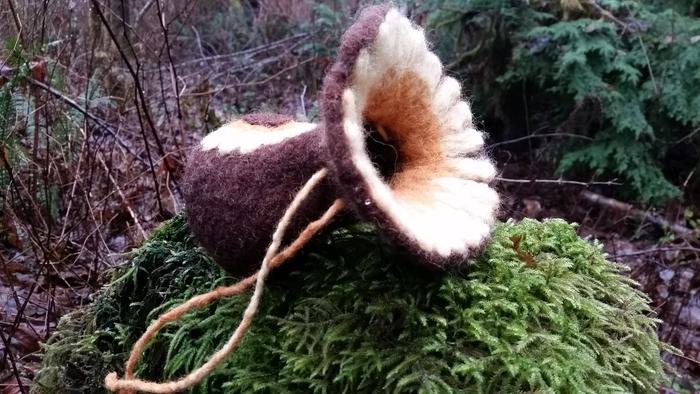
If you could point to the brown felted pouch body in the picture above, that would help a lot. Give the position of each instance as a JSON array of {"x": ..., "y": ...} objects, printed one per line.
[{"x": 242, "y": 177}]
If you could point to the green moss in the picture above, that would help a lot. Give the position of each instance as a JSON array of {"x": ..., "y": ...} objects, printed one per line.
[{"x": 541, "y": 310}]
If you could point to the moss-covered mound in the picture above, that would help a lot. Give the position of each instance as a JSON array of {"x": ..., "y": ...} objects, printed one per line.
[{"x": 541, "y": 310}]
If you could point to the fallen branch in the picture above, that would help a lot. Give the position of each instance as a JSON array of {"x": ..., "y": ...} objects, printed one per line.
[
  {"x": 656, "y": 250},
  {"x": 559, "y": 182},
  {"x": 680, "y": 230}
]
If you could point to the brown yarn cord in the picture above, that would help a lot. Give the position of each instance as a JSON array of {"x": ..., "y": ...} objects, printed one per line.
[{"x": 272, "y": 260}]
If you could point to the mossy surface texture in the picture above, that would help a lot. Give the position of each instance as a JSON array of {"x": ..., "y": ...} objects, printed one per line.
[{"x": 540, "y": 311}]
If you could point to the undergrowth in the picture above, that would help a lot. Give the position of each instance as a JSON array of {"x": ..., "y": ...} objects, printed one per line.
[
  {"x": 616, "y": 81},
  {"x": 540, "y": 311}
]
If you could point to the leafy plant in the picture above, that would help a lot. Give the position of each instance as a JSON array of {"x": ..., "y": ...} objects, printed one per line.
[{"x": 622, "y": 73}]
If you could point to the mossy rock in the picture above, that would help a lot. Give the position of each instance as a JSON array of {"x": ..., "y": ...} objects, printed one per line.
[{"x": 540, "y": 311}]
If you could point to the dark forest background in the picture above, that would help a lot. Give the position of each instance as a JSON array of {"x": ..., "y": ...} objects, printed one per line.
[{"x": 592, "y": 108}]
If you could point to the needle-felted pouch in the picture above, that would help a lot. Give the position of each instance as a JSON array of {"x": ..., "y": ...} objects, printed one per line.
[{"x": 396, "y": 137}]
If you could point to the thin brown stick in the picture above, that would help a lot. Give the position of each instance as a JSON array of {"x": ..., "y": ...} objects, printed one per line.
[
  {"x": 103, "y": 124},
  {"x": 124, "y": 199},
  {"x": 559, "y": 182},
  {"x": 606, "y": 14},
  {"x": 245, "y": 52},
  {"x": 656, "y": 250},
  {"x": 173, "y": 70},
  {"x": 134, "y": 72},
  {"x": 71, "y": 199},
  {"x": 687, "y": 136},
  {"x": 649, "y": 68},
  {"x": 252, "y": 83},
  {"x": 140, "y": 102},
  {"x": 546, "y": 135},
  {"x": 680, "y": 230},
  {"x": 15, "y": 17},
  {"x": 15, "y": 371}
]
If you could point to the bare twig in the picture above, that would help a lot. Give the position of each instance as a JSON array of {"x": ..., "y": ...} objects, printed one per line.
[
  {"x": 15, "y": 371},
  {"x": 21, "y": 192},
  {"x": 545, "y": 135},
  {"x": 139, "y": 98},
  {"x": 644, "y": 50},
  {"x": 134, "y": 75},
  {"x": 252, "y": 83},
  {"x": 199, "y": 41},
  {"x": 559, "y": 182},
  {"x": 23, "y": 307},
  {"x": 606, "y": 14},
  {"x": 124, "y": 199},
  {"x": 103, "y": 124},
  {"x": 301, "y": 99},
  {"x": 10, "y": 280},
  {"x": 96, "y": 223},
  {"x": 71, "y": 199},
  {"x": 246, "y": 52},
  {"x": 648, "y": 61},
  {"x": 173, "y": 71},
  {"x": 15, "y": 17},
  {"x": 687, "y": 136},
  {"x": 142, "y": 12},
  {"x": 688, "y": 178},
  {"x": 680, "y": 230},
  {"x": 655, "y": 250}
]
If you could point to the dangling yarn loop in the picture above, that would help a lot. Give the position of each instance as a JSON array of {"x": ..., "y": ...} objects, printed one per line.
[{"x": 271, "y": 260}]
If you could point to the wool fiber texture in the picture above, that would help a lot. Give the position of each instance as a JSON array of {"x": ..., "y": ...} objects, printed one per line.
[
  {"x": 235, "y": 199},
  {"x": 436, "y": 201},
  {"x": 266, "y": 119}
]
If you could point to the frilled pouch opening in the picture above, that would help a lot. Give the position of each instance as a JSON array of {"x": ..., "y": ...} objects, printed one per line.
[{"x": 402, "y": 143}]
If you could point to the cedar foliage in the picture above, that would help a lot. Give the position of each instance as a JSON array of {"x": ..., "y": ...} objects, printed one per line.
[
  {"x": 541, "y": 310},
  {"x": 624, "y": 75}
]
